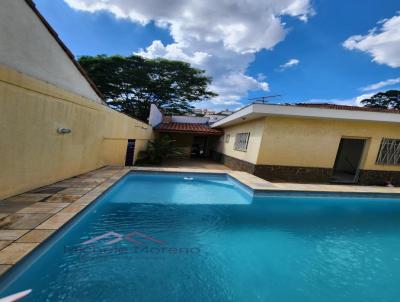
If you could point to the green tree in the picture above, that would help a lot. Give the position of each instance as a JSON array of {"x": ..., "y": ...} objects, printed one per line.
[
  {"x": 385, "y": 100},
  {"x": 131, "y": 84}
]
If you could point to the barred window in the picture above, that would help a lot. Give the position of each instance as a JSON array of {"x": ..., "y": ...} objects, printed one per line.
[
  {"x": 389, "y": 152},
  {"x": 241, "y": 141},
  {"x": 227, "y": 137}
]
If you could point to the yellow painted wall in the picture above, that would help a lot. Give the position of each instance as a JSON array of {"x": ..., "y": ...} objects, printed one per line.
[
  {"x": 256, "y": 129},
  {"x": 33, "y": 154},
  {"x": 314, "y": 142}
]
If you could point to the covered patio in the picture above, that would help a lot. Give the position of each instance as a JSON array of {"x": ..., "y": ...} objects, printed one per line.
[{"x": 195, "y": 140}]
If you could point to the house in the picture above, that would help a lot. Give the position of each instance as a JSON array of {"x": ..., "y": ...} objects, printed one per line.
[
  {"x": 54, "y": 123},
  {"x": 313, "y": 143},
  {"x": 192, "y": 134}
]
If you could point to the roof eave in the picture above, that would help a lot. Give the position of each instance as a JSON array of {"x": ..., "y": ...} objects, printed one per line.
[{"x": 255, "y": 111}]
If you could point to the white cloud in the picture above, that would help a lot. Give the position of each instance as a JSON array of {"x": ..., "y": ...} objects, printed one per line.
[
  {"x": 381, "y": 84},
  {"x": 382, "y": 43},
  {"x": 220, "y": 37},
  {"x": 289, "y": 64},
  {"x": 227, "y": 68},
  {"x": 359, "y": 98},
  {"x": 261, "y": 77}
]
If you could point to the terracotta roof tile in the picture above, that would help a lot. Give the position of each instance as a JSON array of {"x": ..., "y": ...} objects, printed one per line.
[
  {"x": 201, "y": 129},
  {"x": 346, "y": 107}
]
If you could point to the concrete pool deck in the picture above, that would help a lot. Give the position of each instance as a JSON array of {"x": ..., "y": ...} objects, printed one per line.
[{"x": 28, "y": 219}]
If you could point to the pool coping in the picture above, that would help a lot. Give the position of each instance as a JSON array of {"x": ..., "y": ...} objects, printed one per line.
[
  {"x": 258, "y": 184},
  {"x": 24, "y": 241}
]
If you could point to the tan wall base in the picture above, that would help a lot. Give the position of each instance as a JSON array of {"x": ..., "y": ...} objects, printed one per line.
[{"x": 275, "y": 173}]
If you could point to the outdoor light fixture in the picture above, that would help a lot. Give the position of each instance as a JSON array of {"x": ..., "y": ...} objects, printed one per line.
[{"x": 63, "y": 130}]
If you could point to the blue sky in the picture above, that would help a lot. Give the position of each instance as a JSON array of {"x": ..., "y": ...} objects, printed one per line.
[{"x": 311, "y": 51}]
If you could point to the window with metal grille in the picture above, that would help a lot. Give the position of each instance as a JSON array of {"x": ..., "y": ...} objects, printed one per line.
[
  {"x": 241, "y": 141},
  {"x": 389, "y": 152},
  {"x": 227, "y": 137}
]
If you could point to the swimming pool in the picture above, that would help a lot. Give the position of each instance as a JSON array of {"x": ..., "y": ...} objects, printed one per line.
[{"x": 206, "y": 237}]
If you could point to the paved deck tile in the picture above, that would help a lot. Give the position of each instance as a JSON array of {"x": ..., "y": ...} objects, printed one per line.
[
  {"x": 4, "y": 243},
  {"x": 50, "y": 204},
  {"x": 25, "y": 221},
  {"x": 12, "y": 234},
  {"x": 39, "y": 210},
  {"x": 55, "y": 222},
  {"x": 36, "y": 236},
  {"x": 14, "y": 252},
  {"x": 87, "y": 199},
  {"x": 29, "y": 197},
  {"x": 8, "y": 207},
  {"x": 76, "y": 191},
  {"x": 3, "y": 215},
  {"x": 48, "y": 190},
  {"x": 4, "y": 268},
  {"x": 73, "y": 209},
  {"x": 56, "y": 198}
]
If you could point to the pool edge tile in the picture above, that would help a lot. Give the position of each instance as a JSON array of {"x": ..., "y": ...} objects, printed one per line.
[
  {"x": 15, "y": 252},
  {"x": 4, "y": 268}
]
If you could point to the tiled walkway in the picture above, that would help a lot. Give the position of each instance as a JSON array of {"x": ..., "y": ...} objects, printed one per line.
[{"x": 28, "y": 219}]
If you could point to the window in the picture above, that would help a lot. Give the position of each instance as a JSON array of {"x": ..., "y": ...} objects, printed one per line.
[
  {"x": 241, "y": 141},
  {"x": 227, "y": 137},
  {"x": 389, "y": 152}
]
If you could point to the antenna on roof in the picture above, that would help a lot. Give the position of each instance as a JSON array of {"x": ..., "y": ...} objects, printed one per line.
[{"x": 263, "y": 99}]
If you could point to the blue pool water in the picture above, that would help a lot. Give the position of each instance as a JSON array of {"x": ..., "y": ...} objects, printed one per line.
[{"x": 208, "y": 238}]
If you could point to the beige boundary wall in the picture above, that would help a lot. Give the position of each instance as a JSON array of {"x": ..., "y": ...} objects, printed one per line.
[{"x": 33, "y": 154}]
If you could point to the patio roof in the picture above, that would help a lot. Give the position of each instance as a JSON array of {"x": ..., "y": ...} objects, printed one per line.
[{"x": 200, "y": 129}]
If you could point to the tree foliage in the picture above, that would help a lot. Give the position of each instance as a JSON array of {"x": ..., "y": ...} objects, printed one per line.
[
  {"x": 384, "y": 100},
  {"x": 131, "y": 84}
]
